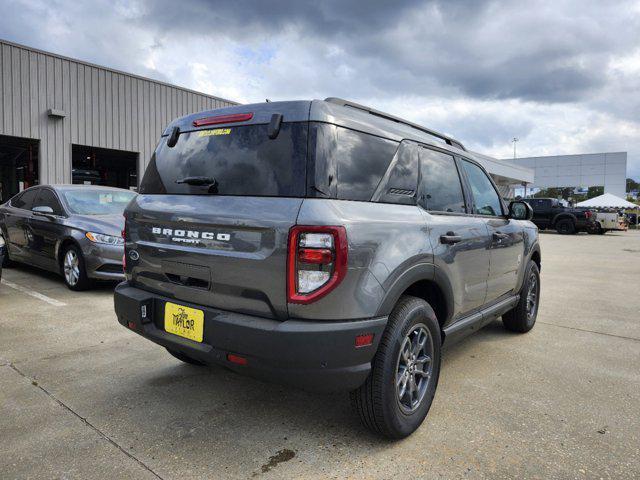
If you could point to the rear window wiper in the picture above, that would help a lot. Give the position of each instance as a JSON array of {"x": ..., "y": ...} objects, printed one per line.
[{"x": 198, "y": 181}]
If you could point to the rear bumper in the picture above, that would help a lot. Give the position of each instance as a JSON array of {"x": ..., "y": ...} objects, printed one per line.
[{"x": 312, "y": 355}]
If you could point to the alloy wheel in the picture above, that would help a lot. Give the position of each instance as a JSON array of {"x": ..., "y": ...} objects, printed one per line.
[
  {"x": 71, "y": 268},
  {"x": 532, "y": 297},
  {"x": 414, "y": 368}
]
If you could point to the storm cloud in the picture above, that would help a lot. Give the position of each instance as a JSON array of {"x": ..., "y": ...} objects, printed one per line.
[{"x": 562, "y": 76}]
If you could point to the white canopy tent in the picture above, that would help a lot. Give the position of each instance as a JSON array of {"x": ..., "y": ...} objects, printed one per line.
[
  {"x": 607, "y": 201},
  {"x": 611, "y": 201}
]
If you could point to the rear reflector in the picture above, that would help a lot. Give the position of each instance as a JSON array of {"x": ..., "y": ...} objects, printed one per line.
[
  {"x": 237, "y": 359},
  {"x": 236, "y": 117},
  {"x": 364, "y": 340}
]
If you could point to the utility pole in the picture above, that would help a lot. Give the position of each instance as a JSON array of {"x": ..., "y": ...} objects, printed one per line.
[{"x": 515, "y": 139}]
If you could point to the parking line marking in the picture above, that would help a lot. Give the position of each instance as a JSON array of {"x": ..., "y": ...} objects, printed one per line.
[{"x": 39, "y": 296}]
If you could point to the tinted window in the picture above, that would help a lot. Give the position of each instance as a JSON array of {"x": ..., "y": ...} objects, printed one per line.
[
  {"x": 485, "y": 198},
  {"x": 440, "y": 187},
  {"x": 362, "y": 161},
  {"x": 15, "y": 200},
  {"x": 539, "y": 204},
  {"x": 346, "y": 164},
  {"x": 241, "y": 160},
  {"x": 25, "y": 201},
  {"x": 97, "y": 201},
  {"x": 401, "y": 181},
  {"x": 48, "y": 199}
]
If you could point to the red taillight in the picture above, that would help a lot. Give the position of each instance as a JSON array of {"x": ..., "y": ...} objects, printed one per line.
[
  {"x": 364, "y": 340},
  {"x": 317, "y": 262},
  {"x": 237, "y": 359},
  {"x": 315, "y": 255},
  {"x": 587, "y": 214},
  {"x": 218, "y": 119}
]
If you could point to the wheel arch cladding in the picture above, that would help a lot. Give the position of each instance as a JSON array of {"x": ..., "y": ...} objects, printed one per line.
[
  {"x": 421, "y": 281},
  {"x": 535, "y": 256}
]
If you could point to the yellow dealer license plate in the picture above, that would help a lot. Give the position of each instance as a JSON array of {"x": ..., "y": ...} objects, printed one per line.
[{"x": 184, "y": 321}]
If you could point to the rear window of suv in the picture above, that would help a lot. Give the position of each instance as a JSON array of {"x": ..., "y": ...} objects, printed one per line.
[{"x": 242, "y": 161}]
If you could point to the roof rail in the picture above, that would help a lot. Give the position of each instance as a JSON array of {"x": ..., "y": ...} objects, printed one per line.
[{"x": 378, "y": 113}]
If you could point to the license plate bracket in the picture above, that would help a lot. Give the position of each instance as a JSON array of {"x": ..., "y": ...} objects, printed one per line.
[{"x": 184, "y": 321}]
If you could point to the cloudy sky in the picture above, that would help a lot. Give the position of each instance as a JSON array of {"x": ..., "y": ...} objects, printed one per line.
[{"x": 562, "y": 76}]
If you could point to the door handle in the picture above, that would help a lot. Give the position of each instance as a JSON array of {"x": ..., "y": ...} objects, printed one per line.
[
  {"x": 500, "y": 236},
  {"x": 450, "y": 238}
]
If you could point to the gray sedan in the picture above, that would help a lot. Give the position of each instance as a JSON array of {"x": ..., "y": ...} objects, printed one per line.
[{"x": 75, "y": 230}]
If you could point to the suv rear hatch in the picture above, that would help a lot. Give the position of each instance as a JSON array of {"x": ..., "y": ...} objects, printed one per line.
[{"x": 211, "y": 223}]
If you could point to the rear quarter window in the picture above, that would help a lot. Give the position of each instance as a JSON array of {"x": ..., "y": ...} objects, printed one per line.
[
  {"x": 400, "y": 182},
  {"x": 347, "y": 164}
]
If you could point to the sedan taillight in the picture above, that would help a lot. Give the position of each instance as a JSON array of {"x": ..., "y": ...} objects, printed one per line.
[{"x": 317, "y": 262}]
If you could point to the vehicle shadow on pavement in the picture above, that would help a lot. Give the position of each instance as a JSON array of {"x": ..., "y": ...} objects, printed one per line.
[
  {"x": 222, "y": 399},
  {"x": 186, "y": 404},
  {"x": 20, "y": 269},
  {"x": 24, "y": 269}
]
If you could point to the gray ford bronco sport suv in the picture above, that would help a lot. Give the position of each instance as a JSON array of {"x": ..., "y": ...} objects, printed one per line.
[{"x": 326, "y": 245}]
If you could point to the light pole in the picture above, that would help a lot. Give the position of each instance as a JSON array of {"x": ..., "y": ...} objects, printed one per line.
[{"x": 515, "y": 139}]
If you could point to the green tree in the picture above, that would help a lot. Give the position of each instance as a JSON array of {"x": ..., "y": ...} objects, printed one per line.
[{"x": 594, "y": 192}]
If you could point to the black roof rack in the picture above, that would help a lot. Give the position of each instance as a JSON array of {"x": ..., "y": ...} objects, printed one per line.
[{"x": 377, "y": 113}]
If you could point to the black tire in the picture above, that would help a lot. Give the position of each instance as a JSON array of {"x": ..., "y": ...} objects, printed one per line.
[
  {"x": 77, "y": 281},
  {"x": 377, "y": 401},
  {"x": 565, "y": 227},
  {"x": 185, "y": 358},
  {"x": 519, "y": 320}
]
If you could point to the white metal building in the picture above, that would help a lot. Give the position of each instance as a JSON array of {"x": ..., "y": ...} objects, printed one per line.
[
  {"x": 587, "y": 170},
  {"x": 507, "y": 174}
]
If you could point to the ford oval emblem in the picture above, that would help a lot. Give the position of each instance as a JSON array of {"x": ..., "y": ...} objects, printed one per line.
[{"x": 134, "y": 255}]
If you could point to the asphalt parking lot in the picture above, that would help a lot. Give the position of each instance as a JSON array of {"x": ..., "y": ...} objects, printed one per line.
[{"x": 82, "y": 397}]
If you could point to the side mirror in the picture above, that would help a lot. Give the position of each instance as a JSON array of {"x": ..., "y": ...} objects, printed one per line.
[
  {"x": 42, "y": 210},
  {"x": 520, "y": 211}
]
